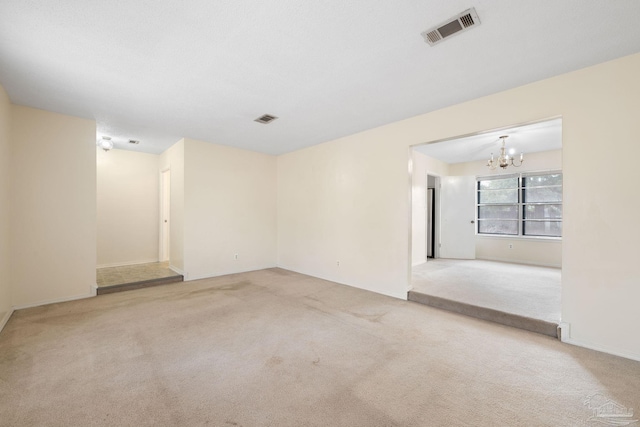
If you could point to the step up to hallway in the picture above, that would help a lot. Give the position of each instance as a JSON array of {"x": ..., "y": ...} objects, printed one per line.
[
  {"x": 509, "y": 319},
  {"x": 129, "y": 277},
  {"x": 102, "y": 290}
]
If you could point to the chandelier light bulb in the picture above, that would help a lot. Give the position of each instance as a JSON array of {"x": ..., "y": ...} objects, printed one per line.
[{"x": 105, "y": 143}]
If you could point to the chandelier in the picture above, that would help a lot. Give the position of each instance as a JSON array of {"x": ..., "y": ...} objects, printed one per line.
[{"x": 503, "y": 160}]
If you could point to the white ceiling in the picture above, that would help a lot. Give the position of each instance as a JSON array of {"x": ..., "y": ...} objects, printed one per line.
[
  {"x": 530, "y": 138},
  {"x": 157, "y": 71}
]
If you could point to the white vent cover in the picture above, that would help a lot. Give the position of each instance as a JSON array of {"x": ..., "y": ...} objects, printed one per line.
[
  {"x": 458, "y": 24},
  {"x": 265, "y": 119}
]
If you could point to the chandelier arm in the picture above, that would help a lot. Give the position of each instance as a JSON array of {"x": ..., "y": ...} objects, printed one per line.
[{"x": 504, "y": 160}]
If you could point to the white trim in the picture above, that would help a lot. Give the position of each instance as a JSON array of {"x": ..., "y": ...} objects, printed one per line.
[
  {"x": 410, "y": 248},
  {"x": 161, "y": 235},
  {"x": 513, "y": 261},
  {"x": 53, "y": 301},
  {"x": 498, "y": 129},
  {"x": 565, "y": 337},
  {"x": 177, "y": 270},
  {"x": 546, "y": 239},
  {"x": 401, "y": 295},
  {"x": 602, "y": 349},
  {"x": 122, "y": 264},
  {"x": 189, "y": 278},
  {"x": 6, "y": 318}
]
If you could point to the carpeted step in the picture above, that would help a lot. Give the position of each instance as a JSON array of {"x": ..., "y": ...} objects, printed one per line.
[
  {"x": 139, "y": 285},
  {"x": 521, "y": 322}
]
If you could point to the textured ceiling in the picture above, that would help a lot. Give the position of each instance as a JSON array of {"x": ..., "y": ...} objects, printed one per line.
[
  {"x": 530, "y": 138},
  {"x": 157, "y": 71}
]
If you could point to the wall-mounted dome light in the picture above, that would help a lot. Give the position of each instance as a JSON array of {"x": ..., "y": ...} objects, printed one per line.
[{"x": 105, "y": 143}]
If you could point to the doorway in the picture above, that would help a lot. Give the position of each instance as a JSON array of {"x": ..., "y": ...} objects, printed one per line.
[
  {"x": 468, "y": 269},
  {"x": 165, "y": 215},
  {"x": 432, "y": 206},
  {"x": 431, "y": 222}
]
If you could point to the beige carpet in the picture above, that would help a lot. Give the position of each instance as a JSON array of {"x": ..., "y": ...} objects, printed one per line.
[
  {"x": 275, "y": 348},
  {"x": 526, "y": 290}
]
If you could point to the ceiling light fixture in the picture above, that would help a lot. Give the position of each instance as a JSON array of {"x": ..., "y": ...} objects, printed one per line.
[
  {"x": 504, "y": 160},
  {"x": 105, "y": 143}
]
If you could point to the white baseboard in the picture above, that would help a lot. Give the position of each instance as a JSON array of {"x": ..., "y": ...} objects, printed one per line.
[
  {"x": 122, "y": 264},
  {"x": 565, "y": 337},
  {"x": 188, "y": 277},
  {"x": 177, "y": 270},
  {"x": 5, "y": 319},
  {"x": 399, "y": 295},
  {"x": 513, "y": 261},
  {"x": 53, "y": 301}
]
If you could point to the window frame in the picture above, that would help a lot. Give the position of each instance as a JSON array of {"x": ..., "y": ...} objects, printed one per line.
[{"x": 520, "y": 204}]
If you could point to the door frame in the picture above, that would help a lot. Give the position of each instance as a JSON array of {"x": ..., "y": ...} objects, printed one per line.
[
  {"x": 435, "y": 212},
  {"x": 165, "y": 215}
]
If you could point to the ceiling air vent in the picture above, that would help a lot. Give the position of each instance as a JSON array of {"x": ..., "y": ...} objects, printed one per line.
[
  {"x": 457, "y": 24},
  {"x": 134, "y": 141},
  {"x": 265, "y": 119}
]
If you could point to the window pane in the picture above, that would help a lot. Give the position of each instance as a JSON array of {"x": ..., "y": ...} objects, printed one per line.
[
  {"x": 497, "y": 184},
  {"x": 497, "y": 227},
  {"x": 498, "y": 212},
  {"x": 543, "y": 228},
  {"x": 543, "y": 194},
  {"x": 498, "y": 196},
  {"x": 543, "y": 212},
  {"x": 542, "y": 180}
]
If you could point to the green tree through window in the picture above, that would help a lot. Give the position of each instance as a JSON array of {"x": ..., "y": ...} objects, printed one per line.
[{"x": 528, "y": 204}]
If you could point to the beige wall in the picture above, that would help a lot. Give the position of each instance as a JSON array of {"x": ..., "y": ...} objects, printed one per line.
[
  {"x": 53, "y": 218},
  {"x": 5, "y": 178},
  {"x": 173, "y": 159},
  {"x": 543, "y": 252},
  {"x": 230, "y": 208},
  {"x": 347, "y": 199},
  {"x": 128, "y": 207}
]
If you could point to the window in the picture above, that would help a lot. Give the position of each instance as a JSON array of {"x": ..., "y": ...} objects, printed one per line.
[{"x": 528, "y": 204}]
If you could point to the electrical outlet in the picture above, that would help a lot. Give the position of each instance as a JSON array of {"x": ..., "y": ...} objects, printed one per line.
[
  {"x": 338, "y": 263},
  {"x": 235, "y": 256},
  {"x": 510, "y": 245}
]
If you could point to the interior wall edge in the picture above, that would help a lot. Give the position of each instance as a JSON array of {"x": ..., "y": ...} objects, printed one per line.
[
  {"x": 189, "y": 278},
  {"x": 5, "y": 319},
  {"x": 399, "y": 295},
  {"x": 90, "y": 294},
  {"x": 601, "y": 348},
  {"x": 176, "y": 270}
]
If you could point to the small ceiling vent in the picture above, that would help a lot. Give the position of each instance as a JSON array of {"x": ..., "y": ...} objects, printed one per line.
[
  {"x": 134, "y": 141},
  {"x": 265, "y": 119},
  {"x": 458, "y": 24}
]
